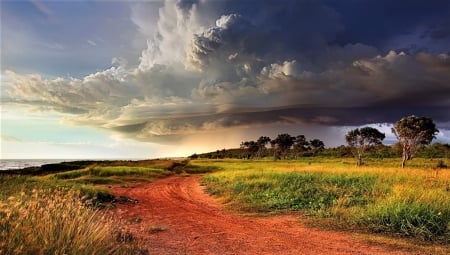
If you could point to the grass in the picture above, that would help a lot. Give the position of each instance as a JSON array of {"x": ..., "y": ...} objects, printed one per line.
[
  {"x": 108, "y": 175},
  {"x": 412, "y": 202},
  {"x": 411, "y": 211},
  {"x": 311, "y": 191},
  {"x": 57, "y": 222}
]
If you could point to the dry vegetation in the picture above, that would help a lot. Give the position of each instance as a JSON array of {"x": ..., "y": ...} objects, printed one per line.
[{"x": 58, "y": 222}]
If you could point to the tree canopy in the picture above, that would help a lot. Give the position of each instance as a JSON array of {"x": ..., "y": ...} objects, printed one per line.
[
  {"x": 282, "y": 144},
  {"x": 262, "y": 142},
  {"x": 412, "y": 132},
  {"x": 360, "y": 139}
]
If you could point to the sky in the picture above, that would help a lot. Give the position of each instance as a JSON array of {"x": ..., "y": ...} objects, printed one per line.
[{"x": 147, "y": 79}]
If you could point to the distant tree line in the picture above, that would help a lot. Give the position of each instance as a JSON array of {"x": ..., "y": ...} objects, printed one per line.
[
  {"x": 414, "y": 136},
  {"x": 284, "y": 146}
]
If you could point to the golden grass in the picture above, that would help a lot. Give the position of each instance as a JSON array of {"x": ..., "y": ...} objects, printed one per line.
[{"x": 57, "y": 223}]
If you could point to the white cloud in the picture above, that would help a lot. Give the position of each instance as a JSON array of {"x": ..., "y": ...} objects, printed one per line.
[
  {"x": 174, "y": 30},
  {"x": 288, "y": 68}
]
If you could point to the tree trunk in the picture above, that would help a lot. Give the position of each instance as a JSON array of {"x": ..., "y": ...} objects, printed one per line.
[
  {"x": 405, "y": 155},
  {"x": 404, "y": 161},
  {"x": 359, "y": 162}
]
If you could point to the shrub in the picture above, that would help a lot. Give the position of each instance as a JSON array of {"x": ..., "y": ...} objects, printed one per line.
[{"x": 441, "y": 164}]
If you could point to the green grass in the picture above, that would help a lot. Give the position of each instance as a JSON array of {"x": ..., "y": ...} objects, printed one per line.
[
  {"x": 314, "y": 192},
  {"x": 411, "y": 211},
  {"x": 108, "y": 175},
  {"x": 412, "y": 202}
]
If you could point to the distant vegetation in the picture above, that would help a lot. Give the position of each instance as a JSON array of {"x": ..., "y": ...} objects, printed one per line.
[
  {"x": 433, "y": 151},
  {"x": 414, "y": 137}
]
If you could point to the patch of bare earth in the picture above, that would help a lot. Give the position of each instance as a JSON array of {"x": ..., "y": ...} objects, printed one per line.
[{"x": 176, "y": 216}]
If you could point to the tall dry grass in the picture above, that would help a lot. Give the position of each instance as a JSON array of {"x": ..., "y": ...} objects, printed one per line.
[{"x": 57, "y": 222}]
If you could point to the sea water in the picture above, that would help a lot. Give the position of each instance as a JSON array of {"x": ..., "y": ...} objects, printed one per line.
[{"x": 8, "y": 164}]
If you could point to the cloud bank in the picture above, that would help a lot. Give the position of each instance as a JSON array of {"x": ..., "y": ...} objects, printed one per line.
[{"x": 216, "y": 65}]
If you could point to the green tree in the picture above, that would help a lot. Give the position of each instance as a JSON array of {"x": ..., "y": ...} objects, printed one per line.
[
  {"x": 281, "y": 145},
  {"x": 360, "y": 139},
  {"x": 300, "y": 145},
  {"x": 249, "y": 148},
  {"x": 317, "y": 146},
  {"x": 413, "y": 132},
  {"x": 262, "y": 142},
  {"x": 446, "y": 149}
]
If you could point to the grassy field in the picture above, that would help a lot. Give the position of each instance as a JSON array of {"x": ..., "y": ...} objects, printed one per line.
[
  {"x": 57, "y": 209},
  {"x": 378, "y": 197}
]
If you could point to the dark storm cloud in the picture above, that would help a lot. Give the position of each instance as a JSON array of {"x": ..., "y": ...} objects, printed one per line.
[
  {"x": 216, "y": 65},
  {"x": 375, "y": 22},
  {"x": 186, "y": 5},
  {"x": 272, "y": 30}
]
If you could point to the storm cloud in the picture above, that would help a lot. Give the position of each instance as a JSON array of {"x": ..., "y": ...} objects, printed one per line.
[{"x": 216, "y": 65}]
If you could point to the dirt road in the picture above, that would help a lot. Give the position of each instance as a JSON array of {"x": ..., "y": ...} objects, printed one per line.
[{"x": 175, "y": 216}]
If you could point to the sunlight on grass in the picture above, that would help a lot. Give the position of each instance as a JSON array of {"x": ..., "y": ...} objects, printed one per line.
[
  {"x": 57, "y": 223},
  {"x": 409, "y": 202},
  {"x": 112, "y": 174}
]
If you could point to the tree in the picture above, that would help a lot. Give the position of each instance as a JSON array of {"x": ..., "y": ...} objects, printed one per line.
[
  {"x": 317, "y": 146},
  {"x": 281, "y": 145},
  {"x": 250, "y": 148},
  {"x": 447, "y": 149},
  {"x": 361, "y": 139},
  {"x": 413, "y": 132},
  {"x": 262, "y": 142},
  {"x": 300, "y": 145}
]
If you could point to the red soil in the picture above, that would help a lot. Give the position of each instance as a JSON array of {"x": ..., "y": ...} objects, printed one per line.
[{"x": 185, "y": 220}]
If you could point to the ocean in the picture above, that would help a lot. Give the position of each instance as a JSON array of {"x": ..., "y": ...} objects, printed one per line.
[{"x": 8, "y": 164}]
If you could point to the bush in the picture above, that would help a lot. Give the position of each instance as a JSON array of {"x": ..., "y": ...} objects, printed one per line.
[{"x": 441, "y": 164}]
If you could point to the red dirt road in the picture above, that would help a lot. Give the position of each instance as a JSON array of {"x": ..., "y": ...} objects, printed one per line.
[{"x": 195, "y": 223}]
